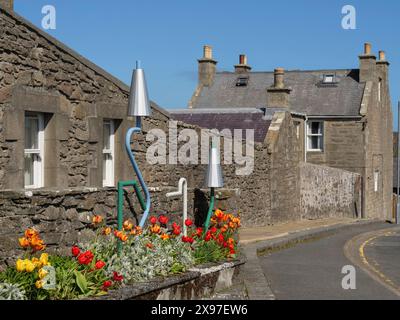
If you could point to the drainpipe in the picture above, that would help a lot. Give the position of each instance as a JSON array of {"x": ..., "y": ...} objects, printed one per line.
[{"x": 305, "y": 137}]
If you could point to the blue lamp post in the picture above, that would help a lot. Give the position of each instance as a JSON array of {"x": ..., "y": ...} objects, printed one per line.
[{"x": 139, "y": 106}]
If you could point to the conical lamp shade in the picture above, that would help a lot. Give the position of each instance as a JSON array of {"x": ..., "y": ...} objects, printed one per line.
[
  {"x": 214, "y": 178},
  {"x": 139, "y": 103}
]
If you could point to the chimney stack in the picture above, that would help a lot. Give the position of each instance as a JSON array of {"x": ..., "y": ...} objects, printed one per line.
[
  {"x": 242, "y": 67},
  {"x": 382, "y": 66},
  {"x": 367, "y": 64},
  {"x": 207, "y": 67},
  {"x": 8, "y": 4},
  {"x": 278, "y": 96}
]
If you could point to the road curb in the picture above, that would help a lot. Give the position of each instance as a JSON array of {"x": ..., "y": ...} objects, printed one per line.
[{"x": 256, "y": 282}]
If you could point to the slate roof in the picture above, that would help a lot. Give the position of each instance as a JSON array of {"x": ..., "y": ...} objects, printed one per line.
[
  {"x": 220, "y": 119},
  {"x": 309, "y": 95}
]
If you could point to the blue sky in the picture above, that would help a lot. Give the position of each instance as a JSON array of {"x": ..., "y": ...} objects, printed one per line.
[{"x": 167, "y": 36}]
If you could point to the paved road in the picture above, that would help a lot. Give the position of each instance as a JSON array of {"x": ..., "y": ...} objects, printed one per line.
[{"x": 313, "y": 270}]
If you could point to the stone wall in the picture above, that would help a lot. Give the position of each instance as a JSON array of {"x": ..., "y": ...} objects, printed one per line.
[
  {"x": 328, "y": 192},
  {"x": 64, "y": 217}
]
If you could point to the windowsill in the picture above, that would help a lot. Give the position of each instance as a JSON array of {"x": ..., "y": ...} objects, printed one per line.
[{"x": 315, "y": 151}]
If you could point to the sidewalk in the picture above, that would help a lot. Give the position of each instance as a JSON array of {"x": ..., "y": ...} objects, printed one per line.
[{"x": 256, "y": 234}]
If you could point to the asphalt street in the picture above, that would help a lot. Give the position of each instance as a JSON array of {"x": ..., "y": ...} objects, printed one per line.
[{"x": 313, "y": 270}]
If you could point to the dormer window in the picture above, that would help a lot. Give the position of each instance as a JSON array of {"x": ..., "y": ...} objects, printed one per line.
[
  {"x": 242, "y": 81},
  {"x": 329, "y": 78}
]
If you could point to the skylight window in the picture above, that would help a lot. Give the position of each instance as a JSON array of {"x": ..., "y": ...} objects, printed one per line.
[
  {"x": 242, "y": 81},
  {"x": 329, "y": 78}
]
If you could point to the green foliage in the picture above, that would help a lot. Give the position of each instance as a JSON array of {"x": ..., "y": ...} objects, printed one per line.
[
  {"x": 26, "y": 281},
  {"x": 209, "y": 251},
  {"x": 10, "y": 291}
]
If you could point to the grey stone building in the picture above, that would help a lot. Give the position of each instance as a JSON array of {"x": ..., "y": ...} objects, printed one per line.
[{"x": 343, "y": 117}]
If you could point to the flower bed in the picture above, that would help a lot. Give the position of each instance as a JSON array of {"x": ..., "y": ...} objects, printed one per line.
[{"x": 93, "y": 268}]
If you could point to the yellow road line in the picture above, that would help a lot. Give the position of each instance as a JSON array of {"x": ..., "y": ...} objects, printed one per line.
[{"x": 366, "y": 262}]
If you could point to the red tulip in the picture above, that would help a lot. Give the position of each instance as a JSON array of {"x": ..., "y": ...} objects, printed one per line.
[
  {"x": 99, "y": 264},
  {"x": 75, "y": 251}
]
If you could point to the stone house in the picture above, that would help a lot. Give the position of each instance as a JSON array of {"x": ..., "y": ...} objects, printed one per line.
[
  {"x": 62, "y": 126},
  {"x": 343, "y": 117}
]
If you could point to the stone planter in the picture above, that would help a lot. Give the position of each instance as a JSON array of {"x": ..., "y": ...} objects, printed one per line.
[{"x": 199, "y": 282}]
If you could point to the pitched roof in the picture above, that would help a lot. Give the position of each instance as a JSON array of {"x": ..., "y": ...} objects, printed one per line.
[
  {"x": 100, "y": 71},
  {"x": 309, "y": 95},
  {"x": 220, "y": 119}
]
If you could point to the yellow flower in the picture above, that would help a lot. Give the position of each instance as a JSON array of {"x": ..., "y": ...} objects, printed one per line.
[
  {"x": 36, "y": 262},
  {"x": 20, "y": 265},
  {"x": 43, "y": 273},
  {"x": 106, "y": 231},
  {"x": 39, "y": 284},
  {"x": 44, "y": 259},
  {"x": 29, "y": 265}
]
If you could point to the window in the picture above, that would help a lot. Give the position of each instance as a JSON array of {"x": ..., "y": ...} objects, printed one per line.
[
  {"x": 380, "y": 90},
  {"x": 108, "y": 153},
  {"x": 297, "y": 126},
  {"x": 315, "y": 136},
  {"x": 329, "y": 78},
  {"x": 376, "y": 181},
  {"x": 242, "y": 81},
  {"x": 34, "y": 150}
]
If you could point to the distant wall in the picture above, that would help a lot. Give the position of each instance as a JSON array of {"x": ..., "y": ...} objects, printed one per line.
[{"x": 328, "y": 192}]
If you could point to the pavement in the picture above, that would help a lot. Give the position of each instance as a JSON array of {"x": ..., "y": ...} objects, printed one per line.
[{"x": 320, "y": 242}]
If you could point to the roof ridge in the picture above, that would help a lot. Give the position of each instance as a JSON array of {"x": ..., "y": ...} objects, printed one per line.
[
  {"x": 295, "y": 70},
  {"x": 94, "y": 67}
]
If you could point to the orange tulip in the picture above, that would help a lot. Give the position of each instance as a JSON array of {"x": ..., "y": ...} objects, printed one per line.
[
  {"x": 155, "y": 229},
  {"x": 106, "y": 231},
  {"x": 24, "y": 242},
  {"x": 128, "y": 225},
  {"x": 164, "y": 236},
  {"x": 97, "y": 219},
  {"x": 29, "y": 233}
]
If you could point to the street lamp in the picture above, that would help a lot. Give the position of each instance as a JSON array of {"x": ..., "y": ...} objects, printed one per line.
[
  {"x": 214, "y": 179},
  {"x": 139, "y": 106}
]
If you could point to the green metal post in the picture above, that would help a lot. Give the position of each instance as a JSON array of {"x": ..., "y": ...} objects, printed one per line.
[
  {"x": 210, "y": 210},
  {"x": 120, "y": 204}
]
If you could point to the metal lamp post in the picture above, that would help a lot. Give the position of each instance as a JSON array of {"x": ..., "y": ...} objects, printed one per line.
[
  {"x": 139, "y": 106},
  {"x": 182, "y": 191},
  {"x": 214, "y": 179}
]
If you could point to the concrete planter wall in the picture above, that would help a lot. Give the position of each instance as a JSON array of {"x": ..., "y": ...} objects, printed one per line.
[{"x": 200, "y": 282}]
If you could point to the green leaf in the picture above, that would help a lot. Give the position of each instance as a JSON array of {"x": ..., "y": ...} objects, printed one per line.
[{"x": 81, "y": 281}]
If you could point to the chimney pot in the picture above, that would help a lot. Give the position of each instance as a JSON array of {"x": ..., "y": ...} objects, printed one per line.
[
  {"x": 207, "y": 52},
  {"x": 279, "y": 78},
  {"x": 242, "y": 67},
  {"x": 382, "y": 56},
  {"x": 243, "y": 59},
  {"x": 367, "y": 48}
]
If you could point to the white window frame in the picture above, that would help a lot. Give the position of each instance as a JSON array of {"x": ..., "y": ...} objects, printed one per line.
[
  {"x": 310, "y": 135},
  {"x": 108, "y": 179},
  {"x": 38, "y": 164}
]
